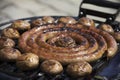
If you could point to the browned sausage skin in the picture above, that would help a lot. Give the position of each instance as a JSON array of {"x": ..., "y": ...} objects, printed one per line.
[
  {"x": 88, "y": 43},
  {"x": 46, "y": 52},
  {"x": 111, "y": 42}
]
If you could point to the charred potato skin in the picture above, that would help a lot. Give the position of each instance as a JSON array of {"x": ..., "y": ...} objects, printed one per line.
[
  {"x": 79, "y": 69},
  {"x": 67, "y": 20},
  {"x": 10, "y": 33},
  {"x": 86, "y": 22},
  {"x": 116, "y": 35},
  {"x": 48, "y": 19},
  {"x": 6, "y": 42},
  {"x": 37, "y": 23},
  {"x": 27, "y": 61},
  {"x": 52, "y": 67},
  {"x": 9, "y": 54},
  {"x": 107, "y": 28},
  {"x": 41, "y": 21},
  {"x": 21, "y": 25}
]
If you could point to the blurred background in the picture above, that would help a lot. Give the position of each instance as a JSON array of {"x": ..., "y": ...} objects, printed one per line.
[{"x": 15, "y": 9}]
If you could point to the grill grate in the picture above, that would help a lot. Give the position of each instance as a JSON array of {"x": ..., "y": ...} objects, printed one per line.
[
  {"x": 12, "y": 72},
  {"x": 9, "y": 71}
]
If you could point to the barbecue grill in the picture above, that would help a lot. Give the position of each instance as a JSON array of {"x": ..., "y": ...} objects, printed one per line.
[{"x": 109, "y": 69}]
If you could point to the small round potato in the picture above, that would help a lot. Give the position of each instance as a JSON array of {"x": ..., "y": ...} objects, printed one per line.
[
  {"x": 116, "y": 35},
  {"x": 67, "y": 20},
  {"x": 86, "y": 21},
  {"x": 79, "y": 69},
  {"x": 48, "y": 19},
  {"x": 27, "y": 61},
  {"x": 52, "y": 67},
  {"x": 6, "y": 42},
  {"x": 21, "y": 25},
  {"x": 9, "y": 54},
  {"x": 37, "y": 23},
  {"x": 11, "y": 33},
  {"x": 107, "y": 28}
]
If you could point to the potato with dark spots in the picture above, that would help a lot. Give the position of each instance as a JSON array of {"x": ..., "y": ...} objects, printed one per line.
[
  {"x": 48, "y": 19},
  {"x": 86, "y": 22},
  {"x": 52, "y": 67},
  {"x": 116, "y": 35},
  {"x": 6, "y": 42},
  {"x": 107, "y": 28},
  {"x": 27, "y": 61},
  {"x": 67, "y": 20},
  {"x": 10, "y": 33},
  {"x": 21, "y": 25},
  {"x": 79, "y": 69},
  {"x": 37, "y": 23},
  {"x": 9, "y": 54}
]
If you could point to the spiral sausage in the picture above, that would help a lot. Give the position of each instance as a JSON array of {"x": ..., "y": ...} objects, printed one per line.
[
  {"x": 75, "y": 43},
  {"x": 111, "y": 42}
]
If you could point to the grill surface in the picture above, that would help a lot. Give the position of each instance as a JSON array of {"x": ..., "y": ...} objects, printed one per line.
[
  {"x": 102, "y": 67},
  {"x": 109, "y": 69}
]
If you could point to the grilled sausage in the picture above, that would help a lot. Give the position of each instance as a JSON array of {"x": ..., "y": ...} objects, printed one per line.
[
  {"x": 88, "y": 44},
  {"x": 46, "y": 52},
  {"x": 111, "y": 42}
]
